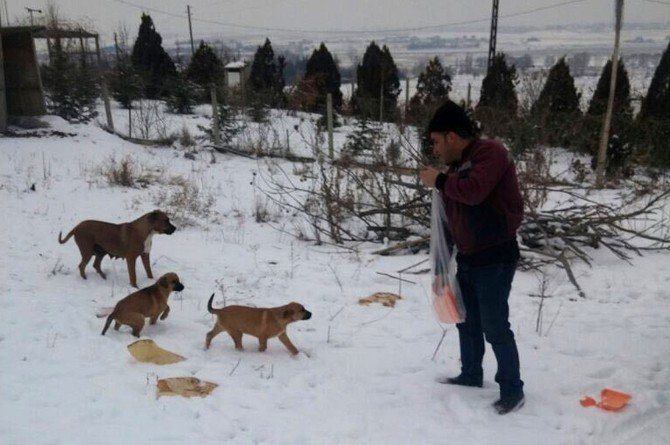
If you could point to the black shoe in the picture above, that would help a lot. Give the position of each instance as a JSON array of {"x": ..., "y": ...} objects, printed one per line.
[
  {"x": 509, "y": 404},
  {"x": 462, "y": 380}
]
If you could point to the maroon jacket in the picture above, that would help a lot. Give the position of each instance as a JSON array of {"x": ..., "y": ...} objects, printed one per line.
[{"x": 483, "y": 202}]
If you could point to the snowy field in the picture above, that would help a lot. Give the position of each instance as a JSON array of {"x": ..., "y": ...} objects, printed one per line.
[{"x": 364, "y": 374}]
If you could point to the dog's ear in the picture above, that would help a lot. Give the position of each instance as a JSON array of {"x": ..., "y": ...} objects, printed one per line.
[
  {"x": 153, "y": 216},
  {"x": 288, "y": 313},
  {"x": 163, "y": 282}
]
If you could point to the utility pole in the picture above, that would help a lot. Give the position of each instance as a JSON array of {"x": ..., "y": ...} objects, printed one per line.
[
  {"x": 31, "y": 10},
  {"x": 190, "y": 29},
  {"x": 494, "y": 35},
  {"x": 381, "y": 95},
  {"x": 329, "y": 119},
  {"x": 605, "y": 133},
  {"x": 116, "y": 48}
]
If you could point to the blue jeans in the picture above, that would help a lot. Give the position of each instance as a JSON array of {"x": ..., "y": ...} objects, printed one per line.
[{"x": 485, "y": 291}]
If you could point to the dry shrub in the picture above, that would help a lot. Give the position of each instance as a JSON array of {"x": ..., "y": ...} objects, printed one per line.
[
  {"x": 127, "y": 173},
  {"x": 184, "y": 201}
]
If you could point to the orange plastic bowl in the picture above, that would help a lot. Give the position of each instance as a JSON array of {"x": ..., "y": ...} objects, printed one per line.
[{"x": 613, "y": 400}]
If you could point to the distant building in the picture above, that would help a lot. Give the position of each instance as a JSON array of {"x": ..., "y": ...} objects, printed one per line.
[{"x": 237, "y": 73}]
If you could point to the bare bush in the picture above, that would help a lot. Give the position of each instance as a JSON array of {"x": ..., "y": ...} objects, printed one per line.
[
  {"x": 127, "y": 172},
  {"x": 351, "y": 197},
  {"x": 184, "y": 201},
  {"x": 149, "y": 121}
]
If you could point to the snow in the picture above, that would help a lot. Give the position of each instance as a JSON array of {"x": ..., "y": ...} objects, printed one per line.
[
  {"x": 236, "y": 65},
  {"x": 364, "y": 374}
]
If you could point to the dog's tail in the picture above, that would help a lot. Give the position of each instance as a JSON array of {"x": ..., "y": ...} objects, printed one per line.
[
  {"x": 69, "y": 235},
  {"x": 210, "y": 309},
  {"x": 108, "y": 322}
]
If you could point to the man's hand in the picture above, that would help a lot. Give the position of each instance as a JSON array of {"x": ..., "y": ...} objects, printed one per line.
[{"x": 428, "y": 175}]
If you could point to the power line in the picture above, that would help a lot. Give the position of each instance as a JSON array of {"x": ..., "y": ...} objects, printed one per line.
[
  {"x": 658, "y": 2},
  {"x": 146, "y": 8},
  {"x": 351, "y": 32}
]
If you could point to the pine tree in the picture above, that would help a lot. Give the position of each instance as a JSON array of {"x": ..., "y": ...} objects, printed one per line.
[
  {"x": 229, "y": 127},
  {"x": 151, "y": 61},
  {"x": 654, "y": 122},
  {"x": 321, "y": 77},
  {"x": 266, "y": 79},
  {"x": 657, "y": 102},
  {"x": 498, "y": 103},
  {"x": 71, "y": 88},
  {"x": 498, "y": 87},
  {"x": 376, "y": 76},
  {"x": 432, "y": 89},
  {"x": 205, "y": 67},
  {"x": 559, "y": 96},
  {"x": 619, "y": 143},
  {"x": 125, "y": 83},
  {"x": 557, "y": 108},
  {"x": 622, "y": 110},
  {"x": 366, "y": 138},
  {"x": 181, "y": 96}
]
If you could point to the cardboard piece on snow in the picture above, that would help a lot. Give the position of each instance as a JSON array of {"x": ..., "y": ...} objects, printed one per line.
[
  {"x": 148, "y": 352},
  {"x": 385, "y": 298},
  {"x": 185, "y": 387}
]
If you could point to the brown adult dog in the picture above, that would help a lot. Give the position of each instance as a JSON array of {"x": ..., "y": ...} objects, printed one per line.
[
  {"x": 149, "y": 302},
  {"x": 262, "y": 323},
  {"x": 127, "y": 240}
]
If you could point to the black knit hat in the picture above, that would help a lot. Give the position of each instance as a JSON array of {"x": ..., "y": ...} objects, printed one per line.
[{"x": 452, "y": 117}]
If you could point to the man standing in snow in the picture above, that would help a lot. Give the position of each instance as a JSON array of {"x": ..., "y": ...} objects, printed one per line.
[{"x": 484, "y": 208}]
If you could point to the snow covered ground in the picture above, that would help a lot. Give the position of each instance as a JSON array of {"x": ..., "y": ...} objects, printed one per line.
[{"x": 364, "y": 374}]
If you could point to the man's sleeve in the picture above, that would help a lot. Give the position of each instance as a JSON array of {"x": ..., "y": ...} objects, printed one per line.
[{"x": 488, "y": 166}]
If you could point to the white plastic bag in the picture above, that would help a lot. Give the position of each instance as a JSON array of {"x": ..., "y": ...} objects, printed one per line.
[{"x": 446, "y": 293}]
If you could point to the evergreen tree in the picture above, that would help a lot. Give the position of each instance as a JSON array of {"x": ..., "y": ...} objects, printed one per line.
[
  {"x": 71, "y": 88},
  {"x": 557, "y": 108},
  {"x": 657, "y": 102},
  {"x": 321, "y": 77},
  {"x": 622, "y": 110},
  {"x": 125, "y": 83},
  {"x": 365, "y": 139},
  {"x": 498, "y": 87},
  {"x": 559, "y": 96},
  {"x": 654, "y": 123},
  {"x": 205, "y": 67},
  {"x": 229, "y": 127},
  {"x": 376, "y": 76},
  {"x": 498, "y": 103},
  {"x": 181, "y": 96},
  {"x": 267, "y": 77},
  {"x": 619, "y": 143},
  {"x": 432, "y": 89},
  {"x": 151, "y": 61}
]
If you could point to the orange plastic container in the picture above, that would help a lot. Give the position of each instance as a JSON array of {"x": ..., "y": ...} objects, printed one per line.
[
  {"x": 613, "y": 400},
  {"x": 610, "y": 400}
]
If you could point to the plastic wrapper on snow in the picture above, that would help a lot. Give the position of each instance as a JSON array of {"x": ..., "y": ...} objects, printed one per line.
[
  {"x": 185, "y": 387},
  {"x": 385, "y": 298},
  {"x": 610, "y": 400},
  {"x": 148, "y": 352},
  {"x": 446, "y": 293}
]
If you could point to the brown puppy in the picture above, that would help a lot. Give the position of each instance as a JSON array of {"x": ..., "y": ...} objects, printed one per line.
[
  {"x": 262, "y": 323},
  {"x": 128, "y": 240},
  {"x": 148, "y": 302}
]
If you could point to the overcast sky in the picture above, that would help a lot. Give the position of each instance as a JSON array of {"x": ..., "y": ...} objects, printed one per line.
[{"x": 319, "y": 19}]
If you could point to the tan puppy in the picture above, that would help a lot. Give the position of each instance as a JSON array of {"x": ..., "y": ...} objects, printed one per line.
[
  {"x": 262, "y": 323},
  {"x": 149, "y": 302},
  {"x": 128, "y": 240}
]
